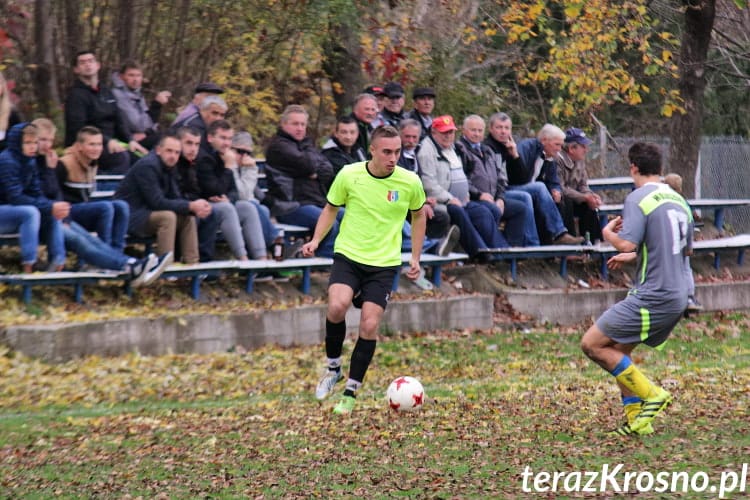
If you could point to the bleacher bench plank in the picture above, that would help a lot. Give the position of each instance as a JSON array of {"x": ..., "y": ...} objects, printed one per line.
[
  {"x": 604, "y": 183},
  {"x": 77, "y": 279},
  {"x": 718, "y": 205},
  {"x": 739, "y": 242},
  {"x": 513, "y": 254}
]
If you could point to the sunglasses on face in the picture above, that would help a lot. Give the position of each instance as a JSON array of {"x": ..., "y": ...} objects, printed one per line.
[{"x": 243, "y": 152}]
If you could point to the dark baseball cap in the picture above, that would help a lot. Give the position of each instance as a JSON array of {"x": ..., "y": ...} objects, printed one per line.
[
  {"x": 374, "y": 90},
  {"x": 393, "y": 90},
  {"x": 209, "y": 87},
  {"x": 422, "y": 92}
]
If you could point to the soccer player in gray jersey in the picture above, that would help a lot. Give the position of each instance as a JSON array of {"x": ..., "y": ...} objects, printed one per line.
[{"x": 656, "y": 229}]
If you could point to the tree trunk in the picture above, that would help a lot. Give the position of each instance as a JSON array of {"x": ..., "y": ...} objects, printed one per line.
[
  {"x": 45, "y": 79},
  {"x": 341, "y": 53},
  {"x": 125, "y": 27},
  {"x": 73, "y": 30},
  {"x": 685, "y": 133}
]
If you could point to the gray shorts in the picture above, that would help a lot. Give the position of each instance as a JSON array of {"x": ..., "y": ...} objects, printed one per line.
[{"x": 633, "y": 321}]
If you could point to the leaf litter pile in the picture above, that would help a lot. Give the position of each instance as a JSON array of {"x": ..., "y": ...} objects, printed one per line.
[{"x": 245, "y": 424}]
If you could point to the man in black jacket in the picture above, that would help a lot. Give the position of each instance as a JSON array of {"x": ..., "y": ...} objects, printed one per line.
[
  {"x": 298, "y": 176},
  {"x": 91, "y": 103},
  {"x": 157, "y": 207},
  {"x": 341, "y": 149}
]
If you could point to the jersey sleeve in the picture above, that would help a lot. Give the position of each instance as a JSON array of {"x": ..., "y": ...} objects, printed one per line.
[
  {"x": 418, "y": 199},
  {"x": 337, "y": 194},
  {"x": 633, "y": 222}
]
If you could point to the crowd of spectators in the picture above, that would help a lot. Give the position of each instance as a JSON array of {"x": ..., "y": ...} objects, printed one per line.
[{"x": 186, "y": 184}]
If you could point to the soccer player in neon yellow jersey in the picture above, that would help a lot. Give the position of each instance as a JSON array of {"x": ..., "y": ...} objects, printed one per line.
[
  {"x": 656, "y": 229},
  {"x": 377, "y": 195}
]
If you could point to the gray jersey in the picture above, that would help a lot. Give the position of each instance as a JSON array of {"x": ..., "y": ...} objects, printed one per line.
[{"x": 659, "y": 222}]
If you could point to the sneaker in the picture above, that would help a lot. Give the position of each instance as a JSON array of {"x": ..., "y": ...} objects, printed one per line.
[
  {"x": 345, "y": 405},
  {"x": 650, "y": 409},
  {"x": 325, "y": 386},
  {"x": 568, "y": 239},
  {"x": 155, "y": 270},
  {"x": 693, "y": 305},
  {"x": 448, "y": 242},
  {"x": 627, "y": 430},
  {"x": 139, "y": 270}
]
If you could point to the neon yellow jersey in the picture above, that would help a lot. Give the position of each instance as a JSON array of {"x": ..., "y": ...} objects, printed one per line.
[{"x": 375, "y": 211}]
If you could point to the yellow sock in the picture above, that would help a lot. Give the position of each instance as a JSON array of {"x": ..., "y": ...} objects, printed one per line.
[{"x": 632, "y": 378}]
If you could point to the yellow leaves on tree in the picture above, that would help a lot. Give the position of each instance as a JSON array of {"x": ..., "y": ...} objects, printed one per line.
[{"x": 590, "y": 54}]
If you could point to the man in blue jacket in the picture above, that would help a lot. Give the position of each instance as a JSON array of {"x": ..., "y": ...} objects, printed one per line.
[
  {"x": 19, "y": 185},
  {"x": 536, "y": 174}
]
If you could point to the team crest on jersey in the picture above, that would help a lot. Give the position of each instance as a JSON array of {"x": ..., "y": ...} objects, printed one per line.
[{"x": 392, "y": 195}]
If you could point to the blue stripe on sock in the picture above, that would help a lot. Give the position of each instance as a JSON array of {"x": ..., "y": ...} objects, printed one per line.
[
  {"x": 621, "y": 366},
  {"x": 629, "y": 400}
]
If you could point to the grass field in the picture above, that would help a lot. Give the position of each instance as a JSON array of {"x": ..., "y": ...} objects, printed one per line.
[{"x": 246, "y": 425}]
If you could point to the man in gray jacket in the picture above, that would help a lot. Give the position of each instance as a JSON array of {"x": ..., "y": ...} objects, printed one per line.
[{"x": 142, "y": 119}]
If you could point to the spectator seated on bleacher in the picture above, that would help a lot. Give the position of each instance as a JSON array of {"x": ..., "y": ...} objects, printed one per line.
[
  {"x": 187, "y": 182},
  {"x": 536, "y": 174},
  {"x": 298, "y": 177},
  {"x": 341, "y": 148},
  {"x": 22, "y": 220},
  {"x": 578, "y": 201},
  {"x": 93, "y": 251},
  {"x": 90, "y": 102},
  {"x": 488, "y": 182},
  {"x": 424, "y": 105},
  {"x": 438, "y": 221},
  {"x": 239, "y": 219},
  {"x": 246, "y": 179},
  {"x": 142, "y": 119},
  {"x": 76, "y": 177},
  {"x": 365, "y": 112},
  {"x": 202, "y": 91},
  {"x": 19, "y": 186},
  {"x": 444, "y": 179},
  {"x": 212, "y": 108},
  {"x": 157, "y": 208}
]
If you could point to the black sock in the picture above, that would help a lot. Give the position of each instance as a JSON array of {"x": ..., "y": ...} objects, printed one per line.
[
  {"x": 335, "y": 335},
  {"x": 361, "y": 356}
]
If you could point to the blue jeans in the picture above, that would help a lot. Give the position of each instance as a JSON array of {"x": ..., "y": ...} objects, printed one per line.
[
  {"x": 519, "y": 217},
  {"x": 307, "y": 216},
  {"x": 25, "y": 220},
  {"x": 544, "y": 207},
  {"x": 471, "y": 239},
  {"x": 109, "y": 219},
  {"x": 270, "y": 230},
  {"x": 92, "y": 249},
  {"x": 51, "y": 234}
]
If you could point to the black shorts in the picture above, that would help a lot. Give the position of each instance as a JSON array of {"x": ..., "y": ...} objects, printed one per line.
[{"x": 374, "y": 283}]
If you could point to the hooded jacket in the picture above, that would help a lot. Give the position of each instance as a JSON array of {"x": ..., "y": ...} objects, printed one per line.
[{"x": 19, "y": 179}]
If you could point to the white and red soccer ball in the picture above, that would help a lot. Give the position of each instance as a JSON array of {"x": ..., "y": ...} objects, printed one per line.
[{"x": 405, "y": 394}]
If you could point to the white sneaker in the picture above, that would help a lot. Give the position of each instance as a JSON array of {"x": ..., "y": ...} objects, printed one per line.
[
  {"x": 155, "y": 270},
  {"x": 325, "y": 386},
  {"x": 139, "y": 270}
]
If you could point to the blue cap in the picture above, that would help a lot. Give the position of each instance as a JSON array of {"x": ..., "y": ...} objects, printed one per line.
[{"x": 577, "y": 135}]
